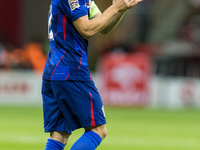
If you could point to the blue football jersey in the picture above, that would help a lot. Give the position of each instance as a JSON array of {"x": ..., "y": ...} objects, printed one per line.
[{"x": 67, "y": 57}]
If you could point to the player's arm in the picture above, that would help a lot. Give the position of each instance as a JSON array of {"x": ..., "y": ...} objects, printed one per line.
[
  {"x": 95, "y": 12},
  {"x": 88, "y": 28},
  {"x": 113, "y": 24}
]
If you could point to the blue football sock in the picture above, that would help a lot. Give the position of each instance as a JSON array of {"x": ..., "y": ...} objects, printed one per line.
[
  {"x": 88, "y": 141},
  {"x": 54, "y": 145}
]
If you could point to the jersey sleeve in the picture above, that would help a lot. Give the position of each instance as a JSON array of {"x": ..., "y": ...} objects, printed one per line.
[
  {"x": 73, "y": 9},
  {"x": 93, "y": 10}
]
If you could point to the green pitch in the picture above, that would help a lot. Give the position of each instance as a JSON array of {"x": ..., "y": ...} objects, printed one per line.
[{"x": 21, "y": 128}]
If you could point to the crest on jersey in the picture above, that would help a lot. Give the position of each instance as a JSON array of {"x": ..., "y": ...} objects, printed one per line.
[
  {"x": 73, "y": 4},
  {"x": 89, "y": 4}
]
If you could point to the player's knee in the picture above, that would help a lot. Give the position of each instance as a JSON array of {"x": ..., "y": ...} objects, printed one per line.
[
  {"x": 104, "y": 132},
  {"x": 101, "y": 130},
  {"x": 60, "y": 136}
]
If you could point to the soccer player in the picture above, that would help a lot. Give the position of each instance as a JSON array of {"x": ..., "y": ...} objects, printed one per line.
[{"x": 70, "y": 98}]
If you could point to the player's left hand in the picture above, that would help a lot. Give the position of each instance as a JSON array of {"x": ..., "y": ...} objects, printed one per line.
[
  {"x": 123, "y": 5},
  {"x": 133, "y": 3}
]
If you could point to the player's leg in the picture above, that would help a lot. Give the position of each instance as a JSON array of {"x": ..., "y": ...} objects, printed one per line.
[
  {"x": 95, "y": 129},
  {"x": 81, "y": 105}
]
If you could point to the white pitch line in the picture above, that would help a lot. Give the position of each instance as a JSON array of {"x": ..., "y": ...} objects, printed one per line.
[{"x": 121, "y": 140}]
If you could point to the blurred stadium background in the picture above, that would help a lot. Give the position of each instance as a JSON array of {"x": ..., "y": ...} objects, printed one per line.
[{"x": 147, "y": 71}]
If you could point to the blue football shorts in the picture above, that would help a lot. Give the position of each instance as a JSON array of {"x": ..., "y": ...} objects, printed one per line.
[{"x": 69, "y": 105}]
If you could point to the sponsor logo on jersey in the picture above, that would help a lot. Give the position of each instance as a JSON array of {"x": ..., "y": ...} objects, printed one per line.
[{"x": 73, "y": 4}]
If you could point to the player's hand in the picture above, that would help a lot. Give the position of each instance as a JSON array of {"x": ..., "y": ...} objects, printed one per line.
[{"x": 123, "y": 5}]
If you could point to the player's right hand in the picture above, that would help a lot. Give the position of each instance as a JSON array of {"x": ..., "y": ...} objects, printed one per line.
[{"x": 123, "y": 5}]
